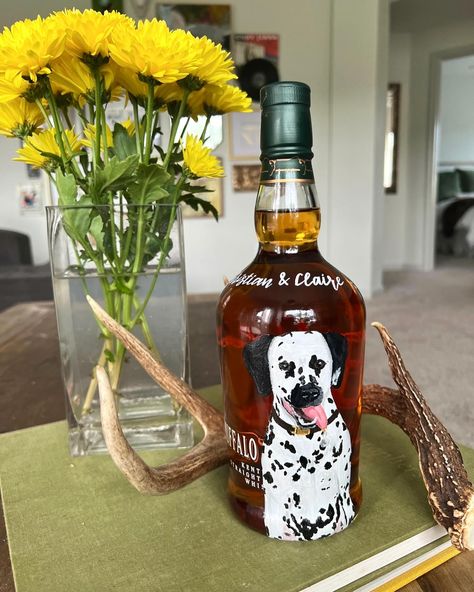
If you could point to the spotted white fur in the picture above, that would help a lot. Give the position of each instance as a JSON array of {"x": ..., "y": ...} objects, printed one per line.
[{"x": 306, "y": 478}]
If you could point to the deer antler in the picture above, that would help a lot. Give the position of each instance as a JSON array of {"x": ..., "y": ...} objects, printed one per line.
[
  {"x": 211, "y": 452},
  {"x": 450, "y": 493}
]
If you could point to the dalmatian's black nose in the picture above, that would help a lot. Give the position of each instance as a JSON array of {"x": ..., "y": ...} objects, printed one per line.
[{"x": 305, "y": 395}]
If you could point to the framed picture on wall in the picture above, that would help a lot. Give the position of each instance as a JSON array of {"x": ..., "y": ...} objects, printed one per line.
[
  {"x": 244, "y": 135},
  {"x": 210, "y": 20},
  {"x": 392, "y": 118},
  {"x": 245, "y": 177}
]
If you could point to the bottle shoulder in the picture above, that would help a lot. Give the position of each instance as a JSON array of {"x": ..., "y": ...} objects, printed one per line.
[{"x": 292, "y": 291}]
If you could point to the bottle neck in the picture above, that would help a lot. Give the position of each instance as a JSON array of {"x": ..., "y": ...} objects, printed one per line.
[{"x": 287, "y": 214}]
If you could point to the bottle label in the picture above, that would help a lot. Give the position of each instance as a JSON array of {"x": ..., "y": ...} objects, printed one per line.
[
  {"x": 305, "y": 460},
  {"x": 245, "y": 461},
  {"x": 280, "y": 170}
]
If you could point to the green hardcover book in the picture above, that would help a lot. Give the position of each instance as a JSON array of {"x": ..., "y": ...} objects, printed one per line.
[{"x": 77, "y": 525}]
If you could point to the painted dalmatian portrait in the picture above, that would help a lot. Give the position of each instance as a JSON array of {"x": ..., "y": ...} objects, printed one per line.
[{"x": 307, "y": 448}]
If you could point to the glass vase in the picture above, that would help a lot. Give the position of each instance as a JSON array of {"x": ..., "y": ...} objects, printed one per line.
[{"x": 149, "y": 300}]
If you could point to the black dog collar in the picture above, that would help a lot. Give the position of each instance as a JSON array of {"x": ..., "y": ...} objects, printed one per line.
[{"x": 298, "y": 431}]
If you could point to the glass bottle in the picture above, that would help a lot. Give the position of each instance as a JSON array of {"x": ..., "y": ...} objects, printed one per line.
[{"x": 291, "y": 333}]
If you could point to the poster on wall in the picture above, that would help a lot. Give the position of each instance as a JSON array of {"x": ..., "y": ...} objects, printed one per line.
[
  {"x": 30, "y": 197},
  {"x": 211, "y": 20},
  {"x": 256, "y": 58}
]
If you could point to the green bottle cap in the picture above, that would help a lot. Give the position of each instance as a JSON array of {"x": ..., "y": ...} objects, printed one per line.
[{"x": 286, "y": 120}]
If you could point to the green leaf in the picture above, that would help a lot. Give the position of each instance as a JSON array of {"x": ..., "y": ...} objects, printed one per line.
[
  {"x": 97, "y": 230},
  {"x": 197, "y": 202},
  {"x": 116, "y": 174},
  {"x": 149, "y": 187},
  {"x": 124, "y": 144},
  {"x": 67, "y": 189}
]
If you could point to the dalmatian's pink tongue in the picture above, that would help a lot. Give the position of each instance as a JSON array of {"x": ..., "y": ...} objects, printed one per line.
[{"x": 316, "y": 414}]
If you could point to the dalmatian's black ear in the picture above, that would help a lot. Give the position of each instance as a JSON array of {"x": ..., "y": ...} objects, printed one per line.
[
  {"x": 256, "y": 359},
  {"x": 338, "y": 345}
]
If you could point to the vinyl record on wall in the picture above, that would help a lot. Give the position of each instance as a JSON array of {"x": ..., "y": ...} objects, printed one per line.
[
  {"x": 255, "y": 74},
  {"x": 256, "y": 58}
]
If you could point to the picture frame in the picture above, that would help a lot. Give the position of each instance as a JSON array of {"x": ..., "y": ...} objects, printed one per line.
[
  {"x": 392, "y": 132},
  {"x": 244, "y": 135},
  {"x": 245, "y": 177}
]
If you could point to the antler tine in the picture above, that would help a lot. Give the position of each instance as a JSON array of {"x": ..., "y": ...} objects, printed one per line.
[
  {"x": 450, "y": 492},
  {"x": 211, "y": 452}
]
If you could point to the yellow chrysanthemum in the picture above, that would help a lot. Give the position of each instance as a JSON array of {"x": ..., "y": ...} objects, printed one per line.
[
  {"x": 168, "y": 93},
  {"x": 199, "y": 160},
  {"x": 215, "y": 64},
  {"x": 12, "y": 87},
  {"x": 88, "y": 32},
  {"x": 18, "y": 118},
  {"x": 28, "y": 47},
  {"x": 90, "y": 134},
  {"x": 70, "y": 75},
  {"x": 39, "y": 144},
  {"x": 217, "y": 100},
  {"x": 129, "y": 125},
  {"x": 153, "y": 51}
]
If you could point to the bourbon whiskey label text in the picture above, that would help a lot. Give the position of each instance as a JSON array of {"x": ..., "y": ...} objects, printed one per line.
[{"x": 306, "y": 279}]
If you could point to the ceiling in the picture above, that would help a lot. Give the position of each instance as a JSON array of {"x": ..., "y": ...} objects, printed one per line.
[{"x": 414, "y": 16}]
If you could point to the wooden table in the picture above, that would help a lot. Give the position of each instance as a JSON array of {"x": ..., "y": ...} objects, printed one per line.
[{"x": 31, "y": 393}]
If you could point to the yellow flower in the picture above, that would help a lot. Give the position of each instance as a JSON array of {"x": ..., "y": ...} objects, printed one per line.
[
  {"x": 168, "y": 93},
  {"x": 41, "y": 144},
  {"x": 217, "y": 100},
  {"x": 90, "y": 134},
  {"x": 215, "y": 64},
  {"x": 18, "y": 118},
  {"x": 128, "y": 79},
  {"x": 28, "y": 48},
  {"x": 12, "y": 87},
  {"x": 198, "y": 159},
  {"x": 70, "y": 75},
  {"x": 154, "y": 52},
  {"x": 129, "y": 125},
  {"x": 88, "y": 32}
]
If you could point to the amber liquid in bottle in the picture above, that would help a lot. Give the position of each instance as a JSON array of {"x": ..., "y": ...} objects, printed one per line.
[{"x": 287, "y": 221}]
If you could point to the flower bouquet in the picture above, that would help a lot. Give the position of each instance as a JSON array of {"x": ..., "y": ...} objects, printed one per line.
[{"x": 113, "y": 233}]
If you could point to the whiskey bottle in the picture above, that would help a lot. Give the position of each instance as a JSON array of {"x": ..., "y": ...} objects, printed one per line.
[{"x": 291, "y": 331}]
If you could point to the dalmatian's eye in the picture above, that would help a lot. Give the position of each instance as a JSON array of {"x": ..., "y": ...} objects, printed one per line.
[
  {"x": 283, "y": 366},
  {"x": 316, "y": 364}
]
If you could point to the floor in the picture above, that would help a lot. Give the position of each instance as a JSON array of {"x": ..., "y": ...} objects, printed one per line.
[{"x": 431, "y": 317}]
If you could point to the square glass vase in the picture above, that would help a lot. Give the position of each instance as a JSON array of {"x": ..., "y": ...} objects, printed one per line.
[{"x": 149, "y": 416}]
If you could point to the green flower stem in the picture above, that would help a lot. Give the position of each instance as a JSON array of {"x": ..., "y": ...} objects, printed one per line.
[
  {"x": 174, "y": 128},
  {"x": 203, "y": 134},
  {"x": 161, "y": 260},
  {"x": 61, "y": 137},
  {"x": 67, "y": 118},
  {"x": 40, "y": 106},
  {"x": 149, "y": 122},
  {"x": 147, "y": 334},
  {"x": 98, "y": 118},
  {"x": 138, "y": 134}
]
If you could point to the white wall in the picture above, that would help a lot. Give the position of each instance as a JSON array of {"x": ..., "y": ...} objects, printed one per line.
[
  {"x": 358, "y": 88},
  {"x": 339, "y": 49},
  {"x": 396, "y": 203},
  {"x": 456, "y": 115}
]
